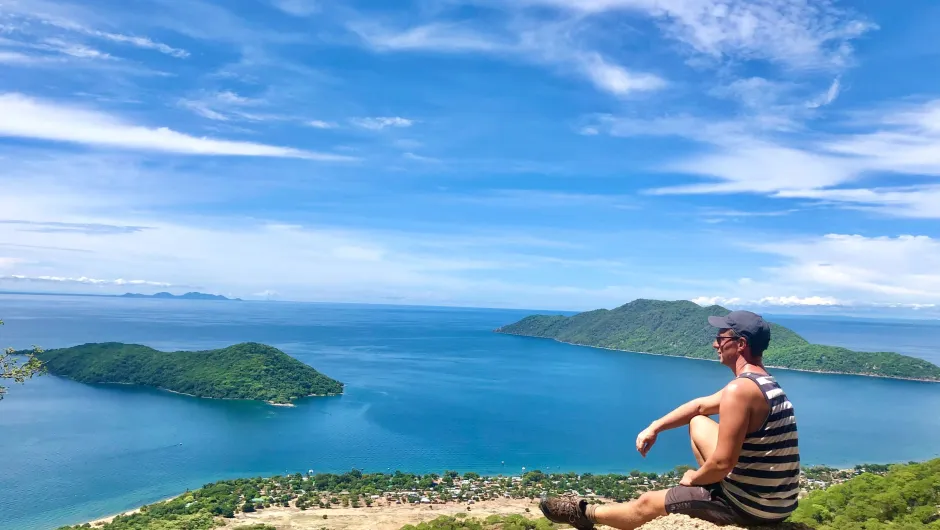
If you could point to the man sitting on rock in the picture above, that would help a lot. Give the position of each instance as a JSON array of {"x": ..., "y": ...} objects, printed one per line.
[{"x": 749, "y": 461}]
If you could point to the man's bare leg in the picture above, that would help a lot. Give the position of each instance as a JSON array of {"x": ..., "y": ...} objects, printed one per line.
[
  {"x": 704, "y": 434},
  {"x": 633, "y": 514}
]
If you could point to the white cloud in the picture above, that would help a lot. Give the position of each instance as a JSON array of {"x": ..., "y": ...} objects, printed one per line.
[
  {"x": 74, "y": 49},
  {"x": 49, "y": 15},
  {"x": 420, "y": 158},
  {"x": 617, "y": 80},
  {"x": 438, "y": 37},
  {"x": 749, "y": 155},
  {"x": 840, "y": 270},
  {"x": 140, "y": 42},
  {"x": 320, "y": 124},
  {"x": 25, "y": 117},
  {"x": 227, "y": 105},
  {"x": 532, "y": 41},
  {"x": 298, "y": 8},
  {"x": 18, "y": 278},
  {"x": 767, "y": 301},
  {"x": 22, "y": 59},
  {"x": 381, "y": 122},
  {"x": 796, "y": 33},
  {"x": 831, "y": 94}
]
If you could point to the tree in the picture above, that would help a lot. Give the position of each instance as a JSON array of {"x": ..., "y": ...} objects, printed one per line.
[{"x": 10, "y": 367}]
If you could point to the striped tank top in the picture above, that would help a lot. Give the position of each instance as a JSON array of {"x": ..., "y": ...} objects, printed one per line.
[{"x": 765, "y": 483}]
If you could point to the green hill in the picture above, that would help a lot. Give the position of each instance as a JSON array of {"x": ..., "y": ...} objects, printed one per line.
[
  {"x": 681, "y": 329},
  {"x": 243, "y": 371},
  {"x": 907, "y": 498}
]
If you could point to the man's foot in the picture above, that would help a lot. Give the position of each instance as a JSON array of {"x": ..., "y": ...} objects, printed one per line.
[{"x": 568, "y": 510}]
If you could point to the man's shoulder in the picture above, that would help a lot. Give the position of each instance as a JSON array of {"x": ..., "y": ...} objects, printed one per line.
[{"x": 742, "y": 388}]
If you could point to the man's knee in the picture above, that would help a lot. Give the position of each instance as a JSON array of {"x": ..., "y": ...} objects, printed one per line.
[
  {"x": 652, "y": 503},
  {"x": 698, "y": 422}
]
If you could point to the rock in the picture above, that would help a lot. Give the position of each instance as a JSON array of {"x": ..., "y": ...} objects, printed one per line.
[{"x": 684, "y": 522}]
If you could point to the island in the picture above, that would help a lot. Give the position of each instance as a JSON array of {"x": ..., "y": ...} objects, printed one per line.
[
  {"x": 681, "y": 329},
  {"x": 248, "y": 370},
  {"x": 188, "y": 296}
]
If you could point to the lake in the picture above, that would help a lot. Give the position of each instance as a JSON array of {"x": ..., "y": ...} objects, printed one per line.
[{"x": 427, "y": 390}]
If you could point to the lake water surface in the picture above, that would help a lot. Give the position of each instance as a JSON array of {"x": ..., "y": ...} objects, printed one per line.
[{"x": 427, "y": 389}]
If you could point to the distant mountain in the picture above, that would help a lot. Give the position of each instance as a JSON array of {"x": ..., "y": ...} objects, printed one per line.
[
  {"x": 681, "y": 329},
  {"x": 188, "y": 296},
  {"x": 243, "y": 371}
]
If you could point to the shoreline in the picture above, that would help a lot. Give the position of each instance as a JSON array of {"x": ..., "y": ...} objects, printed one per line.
[
  {"x": 714, "y": 360},
  {"x": 272, "y": 403},
  {"x": 433, "y": 510}
]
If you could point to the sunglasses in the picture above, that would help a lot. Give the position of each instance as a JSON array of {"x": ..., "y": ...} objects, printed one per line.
[{"x": 719, "y": 338}]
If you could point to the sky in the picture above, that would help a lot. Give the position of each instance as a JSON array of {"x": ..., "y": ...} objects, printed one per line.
[{"x": 773, "y": 155}]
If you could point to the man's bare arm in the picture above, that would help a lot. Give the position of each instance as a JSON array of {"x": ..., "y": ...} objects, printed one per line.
[
  {"x": 733, "y": 423},
  {"x": 682, "y": 415}
]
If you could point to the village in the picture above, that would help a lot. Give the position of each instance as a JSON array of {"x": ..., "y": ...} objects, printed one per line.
[{"x": 384, "y": 490}]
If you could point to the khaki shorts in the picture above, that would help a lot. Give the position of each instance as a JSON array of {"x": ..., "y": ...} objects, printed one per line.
[{"x": 707, "y": 503}]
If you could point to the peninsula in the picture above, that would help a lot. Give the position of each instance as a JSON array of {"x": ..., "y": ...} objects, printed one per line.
[
  {"x": 680, "y": 329},
  {"x": 243, "y": 371}
]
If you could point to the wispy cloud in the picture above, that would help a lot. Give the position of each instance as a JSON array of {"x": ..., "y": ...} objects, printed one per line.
[
  {"x": 530, "y": 41},
  {"x": 768, "y": 301},
  {"x": 36, "y": 18},
  {"x": 227, "y": 105},
  {"x": 420, "y": 158},
  {"x": 80, "y": 228},
  {"x": 828, "y": 97},
  {"x": 298, "y": 8},
  {"x": 139, "y": 42},
  {"x": 840, "y": 269},
  {"x": 616, "y": 79},
  {"x": 798, "y": 33},
  {"x": 320, "y": 124},
  {"x": 25, "y": 117},
  {"x": 382, "y": 122},
  {"x": 81, "y": 280},
  {"x": 23, "y": 59}
]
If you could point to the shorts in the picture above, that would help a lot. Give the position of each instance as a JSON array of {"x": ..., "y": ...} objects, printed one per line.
[{"x": 707, "y": 503}]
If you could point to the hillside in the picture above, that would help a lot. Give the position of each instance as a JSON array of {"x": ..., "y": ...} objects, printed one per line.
[
  {"x": 243, "y": 371},
  {"x": 902, "y": 497},
  {"x": 681, "y": 329}
]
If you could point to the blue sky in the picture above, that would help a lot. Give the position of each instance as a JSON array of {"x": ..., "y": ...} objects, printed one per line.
[{"x": 570, "y": 154}]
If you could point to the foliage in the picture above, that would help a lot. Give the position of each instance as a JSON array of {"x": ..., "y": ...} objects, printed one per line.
[
  {"x": 243, "y": 371},
  {"x": 493, "y": 522},
  {"x": 19, "y": 366},
  {"x": 681, "y": 328},
  {"x": 906, "y": 498},
  {"x": 211, "y": 505}
]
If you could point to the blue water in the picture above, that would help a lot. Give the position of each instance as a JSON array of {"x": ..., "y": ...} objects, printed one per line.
[{"x": 428, "y": 389}]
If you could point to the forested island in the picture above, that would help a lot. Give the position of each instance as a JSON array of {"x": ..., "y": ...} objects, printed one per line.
[
  {"x": 681, "y": 329},
  {"x": 187, "y": 296},
  {"x": 243, "y": 371},
  {"x": 873, "y": 497}
]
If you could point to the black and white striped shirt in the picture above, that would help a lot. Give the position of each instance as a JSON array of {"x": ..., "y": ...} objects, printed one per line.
[{"x": 765, "y": 483}]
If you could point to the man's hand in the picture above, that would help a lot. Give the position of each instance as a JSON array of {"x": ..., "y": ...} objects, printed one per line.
[
  {"x": 645, "y": 440},
  {"x": 687, "y": 478}
]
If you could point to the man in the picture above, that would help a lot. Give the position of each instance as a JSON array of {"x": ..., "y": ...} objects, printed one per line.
[{"x": 749, "y": 462}]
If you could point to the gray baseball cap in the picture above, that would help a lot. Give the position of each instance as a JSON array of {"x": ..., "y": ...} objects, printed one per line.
[{"x": 746, "y": 324}]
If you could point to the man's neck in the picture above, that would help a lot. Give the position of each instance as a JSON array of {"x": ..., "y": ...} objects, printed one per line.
[{"x": 743, "y": 366}]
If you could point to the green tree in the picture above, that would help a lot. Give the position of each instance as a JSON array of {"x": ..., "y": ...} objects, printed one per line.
[{"x": 12, "y": 365}]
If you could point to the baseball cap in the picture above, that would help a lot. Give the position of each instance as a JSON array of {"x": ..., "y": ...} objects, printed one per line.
[{"x": 746, "y": 324}]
